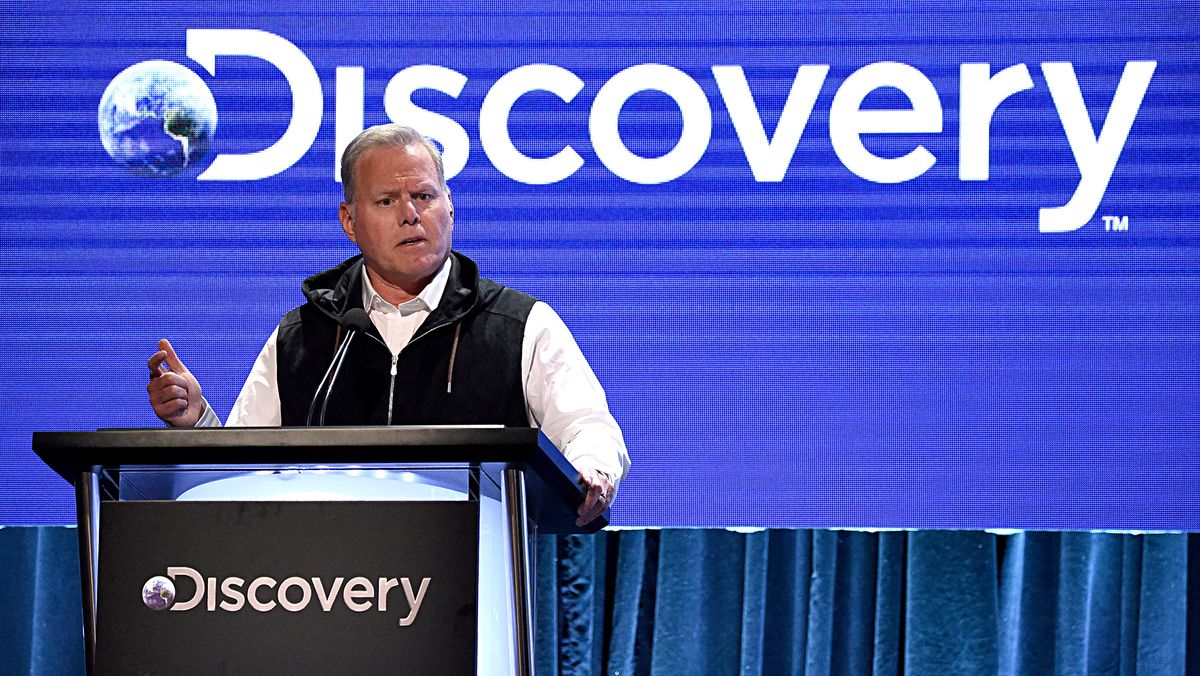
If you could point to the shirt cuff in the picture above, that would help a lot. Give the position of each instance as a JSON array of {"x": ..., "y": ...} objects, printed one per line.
[{"x": 208, "y": 418}]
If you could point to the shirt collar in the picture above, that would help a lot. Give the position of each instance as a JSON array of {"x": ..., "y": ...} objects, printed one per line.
[{"x": 427, "y": 300}]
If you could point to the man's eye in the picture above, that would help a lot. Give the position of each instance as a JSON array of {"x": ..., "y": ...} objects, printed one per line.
[
  {"x": 385, "y": 202},
  {"x": 424, "y": 196}
]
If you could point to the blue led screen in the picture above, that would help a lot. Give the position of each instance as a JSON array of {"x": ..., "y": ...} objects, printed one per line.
[{"x": 836, "y": 264}]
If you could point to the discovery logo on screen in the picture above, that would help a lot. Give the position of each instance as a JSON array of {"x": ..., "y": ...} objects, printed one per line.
[
  {"x": 293, "y": 594},
  {"x": 981, "y": 92}
]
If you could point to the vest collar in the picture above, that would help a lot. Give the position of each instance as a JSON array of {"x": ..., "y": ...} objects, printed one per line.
[{"x": 337, "y": 290}]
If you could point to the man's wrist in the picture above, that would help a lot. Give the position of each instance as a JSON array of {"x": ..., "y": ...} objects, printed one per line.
[
  {"x": 207, "y": 417},
  {"x": 603, "y": 476}
]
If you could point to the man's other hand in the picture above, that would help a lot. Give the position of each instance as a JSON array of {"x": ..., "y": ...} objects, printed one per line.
[
  {"x": 599, "y": 495},
  {"x": 174, "y": 391}
]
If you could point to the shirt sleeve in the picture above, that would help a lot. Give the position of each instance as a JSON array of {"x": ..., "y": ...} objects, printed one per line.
[
  {"x": 564, "y": 398},
  {"x": 258, "y": 403},
  {"x": 208, "y": 418}
]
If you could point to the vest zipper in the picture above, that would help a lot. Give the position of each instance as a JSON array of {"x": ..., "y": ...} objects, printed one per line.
[
  {"x": 396, "y": 358},
  {"x": 392, "y": 387}
]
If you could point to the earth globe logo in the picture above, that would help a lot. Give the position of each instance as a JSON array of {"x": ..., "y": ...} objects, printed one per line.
[
  {"x": 158, "y": 593},
  {"x": 157, "y": 118}
]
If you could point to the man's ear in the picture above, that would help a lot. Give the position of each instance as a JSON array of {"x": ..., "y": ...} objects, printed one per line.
[{"x": 346, "y": 216}]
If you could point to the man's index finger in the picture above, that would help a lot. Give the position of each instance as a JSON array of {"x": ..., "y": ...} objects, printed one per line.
[{"x": 172, "y": 359}]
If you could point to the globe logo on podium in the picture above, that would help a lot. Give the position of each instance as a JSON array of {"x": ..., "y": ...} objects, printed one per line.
[
  {"x": 157, "y": 118},
  {"x": 158, "y": 593}
]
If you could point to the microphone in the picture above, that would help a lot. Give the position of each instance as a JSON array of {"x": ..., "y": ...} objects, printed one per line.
[{"x": 355, "y": 322}]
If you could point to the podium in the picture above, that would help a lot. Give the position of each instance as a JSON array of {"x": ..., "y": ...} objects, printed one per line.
[{"x": 272, "y": 512}]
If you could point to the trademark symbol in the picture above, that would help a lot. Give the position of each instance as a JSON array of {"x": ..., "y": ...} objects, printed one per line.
[{"x": 1115, "y": 223}]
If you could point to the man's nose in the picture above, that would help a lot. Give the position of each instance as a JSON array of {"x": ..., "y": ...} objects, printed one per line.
[{"x": 409, "y": 215}]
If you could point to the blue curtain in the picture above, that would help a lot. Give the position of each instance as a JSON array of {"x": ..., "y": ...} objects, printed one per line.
[
  {"x": 839, "y": 602},
  {"x": 776, "y": 602},
  {"x": 41, "y": 617}
]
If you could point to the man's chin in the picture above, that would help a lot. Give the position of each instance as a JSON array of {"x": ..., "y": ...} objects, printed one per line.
[{"x": 414, "y": 272}]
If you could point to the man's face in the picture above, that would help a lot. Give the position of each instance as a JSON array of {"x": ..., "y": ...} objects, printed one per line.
[{"x": 401, "y": 217}]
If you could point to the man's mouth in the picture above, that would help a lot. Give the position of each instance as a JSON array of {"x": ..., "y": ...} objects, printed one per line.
[{"x": 411, "y": 241}]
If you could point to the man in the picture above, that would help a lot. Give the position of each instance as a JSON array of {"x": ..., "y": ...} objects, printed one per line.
[{"x": 444, "y": 346}]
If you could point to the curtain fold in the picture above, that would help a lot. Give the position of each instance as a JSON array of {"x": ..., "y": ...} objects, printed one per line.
[
  {"x": 789, "y": 569},
  {"x": 890, "y": 592},
  {"x": 684, "y": 601},
  {"x": 953, "y": 606}
]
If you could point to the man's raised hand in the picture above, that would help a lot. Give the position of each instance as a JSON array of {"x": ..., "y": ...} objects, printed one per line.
[{"x": 174, "y": 391}]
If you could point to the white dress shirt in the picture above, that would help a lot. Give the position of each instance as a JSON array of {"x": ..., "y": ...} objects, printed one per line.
[{"x": 562, "y": 395}]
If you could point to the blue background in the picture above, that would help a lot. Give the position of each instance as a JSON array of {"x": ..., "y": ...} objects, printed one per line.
[{"x": 823, "y": 351}]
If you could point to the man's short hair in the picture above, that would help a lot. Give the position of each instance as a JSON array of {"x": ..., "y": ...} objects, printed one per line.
[{"x": 385, "y": 136}]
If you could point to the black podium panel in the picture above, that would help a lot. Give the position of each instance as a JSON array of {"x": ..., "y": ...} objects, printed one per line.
[{"x": 287, "y": 587}]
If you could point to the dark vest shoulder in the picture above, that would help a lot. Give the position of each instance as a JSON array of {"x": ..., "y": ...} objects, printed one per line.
[{"x": 505, "y": 301}]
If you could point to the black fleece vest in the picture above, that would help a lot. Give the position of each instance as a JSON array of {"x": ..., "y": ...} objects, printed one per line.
[{"x": 482, "y": 385}]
